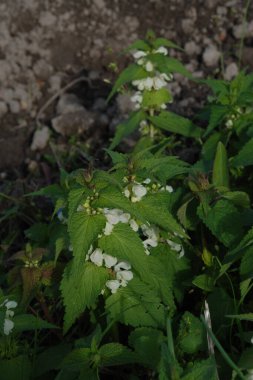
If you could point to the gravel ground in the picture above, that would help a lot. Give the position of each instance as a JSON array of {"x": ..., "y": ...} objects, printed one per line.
[{"x": 46, "y": 45}]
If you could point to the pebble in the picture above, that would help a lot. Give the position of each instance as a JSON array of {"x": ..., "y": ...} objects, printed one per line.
[
  {"x": 40, "y": 139},
  {"x": 73, "y": 123},
  {"x": 231, "y": 71},
  {"x": 124, "y": 103},
  {"x": 68, "y": 103},
  {"x": 14, "y": 106},
  {"x": 192, "y": 48},
  {"x": 211, "y": 56}
]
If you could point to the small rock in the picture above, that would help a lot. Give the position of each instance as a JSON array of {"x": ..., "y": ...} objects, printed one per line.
[
  {"x": 68, "y": 103},
  {"x": 55, "y": 83},
  {"x": 14, "y": 106},
  {"x": 99, "y": 104},
  {"x": 47, "y": 19},
  {"x": 42, "y": 69},
  {"x": 187, "y": 25},
  {"x": 40, "y": 138},
  {"x": 231, "y": 71},
  {"x": 3, "y": 109},
  {"x": 192, "y": 48},
  {"x": 124, "y": 103},
  {"x": 211, "y": 56},
  {"x": 103, "y": 120},
  {"x": 73, "y": 123},
  {"x": 32, "y": 166}
]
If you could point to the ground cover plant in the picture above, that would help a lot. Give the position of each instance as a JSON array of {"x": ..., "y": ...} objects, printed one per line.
[{"x": 143, "y": 270}]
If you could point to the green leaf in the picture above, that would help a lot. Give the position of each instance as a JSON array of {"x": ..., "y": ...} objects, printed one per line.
[
  {"x": 127, "y": 127},
  {"x": 168, "y": 65},
  {"x": 246, "y": 267},
  {"x": 113, "y": 354},
  {"x": 77, "y": 359},
  {"x": 131, "y": 73},
  {"x": 138, "y": 45},
  {"x": 244, "y": 246},
  {"x": 242, "y": 317},
  {"x": 192, "y": 334},
  {"x": 155, "y": 210},
  {"x": 205, "y": 369},
  {"x": 238, "y": 198},
  {"x": 50, "y": 359},
  {"x": 27, "y": 322},
  {"x": 80, "y": 287},
  {"x": 217, "y": 115},
  {"x": 204, "y": 282},
  {"x": 155, "y": 98},
  {"x": 18, "y": 368},
  {"x": 174, "y": 123},
  {"x": 245, "y": 156},
  {"x": 220, "y": 167},
  {"x": 245, "y": 360},
  {"x": 136, "y": 305},
  {"x": 163, "y": 168},
  {"x": 164, "y": 42},
  {"x": 147, "y": 344},
  {"x": 83, "y": 230},
  {"x": 218, "y": 220},
  {"x": 125, "y": 244}
]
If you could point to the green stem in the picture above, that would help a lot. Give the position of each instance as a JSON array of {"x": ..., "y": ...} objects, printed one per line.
[{"x": 222, "y": 351}]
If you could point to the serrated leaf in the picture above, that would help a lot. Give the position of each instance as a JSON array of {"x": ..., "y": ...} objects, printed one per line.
[
  {"x": 174, "y": 123},
  {"x": 131, "y": 73},
  {"x": 192, "y": 334},
  {"x": 156, "y": 212},
  {"x": 245, "y": 156},
  {"x": 127, "y": 127},
  {"x": 80, "y": 287},
  {"x": 218, "y": 114},
  {"x": 164, "y": 42},
  {"x": 136, "y": 305},
  {"x": 138, "y": 45},
  {"x": 238, "y": 198},
  {"x": 155, "y": 98},
  {"x": 205, "y": 369},
  {"x": 168, "y": 65},
  {"x": 83, "y": 230},
  {"x": 113, "y": 354},
  {"x": 77, "y": 359},
  {"x": 243, "y": 247},
  {"x": 147, "y": 344},
  {"x": 218, "y": 220},
  {"x": 125, "y": 244}
]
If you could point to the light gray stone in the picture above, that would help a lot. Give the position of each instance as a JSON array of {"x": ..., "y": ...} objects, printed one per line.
[
  {"x": 3, "y": 109},
  {"x": 73, "y": 123},
  {"x": 40, "y": 139},
  {"x": 192, "y": 48},
  {"x": 68, "y": 103},
  {"x": 211, "y": 56},
  {"x": 231, "y": 71},
  {"x": 14, "y": 106}
]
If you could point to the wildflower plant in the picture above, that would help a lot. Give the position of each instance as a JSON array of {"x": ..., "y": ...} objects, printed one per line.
[{"x": 144, "y": 270}]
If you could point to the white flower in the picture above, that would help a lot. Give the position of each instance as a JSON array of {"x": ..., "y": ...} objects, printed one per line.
[
  {"x": 149, "y": 66},
  {"x": 163, "y": 106},
  {"x": 140, "y": 61},
  {"x": 167, "y": 188},
  {"x": 122, "y": 265},
  {"x": 97, "y": 257},
  {"x": 137, "y": 97},
  {"x": 124, "y": 276},
  {"x": 150, "y": 242},
  {"x": 174, "y": 246},
  {"x": 148, "y": 83},
  {"x": 115, "y": 216},
  {"x": 139, "y": 54},
  {"x": 159, "y": 83},
  {"x": 126, "y": 193},
  {"x": 229, "y": 123},
  {"x": 133, "y": 225},
  {"x": 143, "y": 123},
  {"x": 150, "y": 232},
  {"x": 162, "y": 50},
  {"x": 110, "y": 261},
  {"x": 108, "y": 229},
  {"x": 80, "y": 208},
  {"x": 139, "y": 191},
  {"x": 147, "y": 181},
  {"x": 113, "y": 285},
  {"x": 8, "y": 326},
  {"x": 181, "y": 253},
  {"x": 11, "y": 304}
]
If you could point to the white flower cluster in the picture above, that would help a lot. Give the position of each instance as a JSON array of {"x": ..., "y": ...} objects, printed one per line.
[
  {"x": 154, "y": 81},
  {"x": 138, "y": 190},
  {"x": 176, "y": 247},
  {"x": 8, "y": 323},
  {"x": 121, "y": 269},
  {"x": 115, "y": 216}
]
